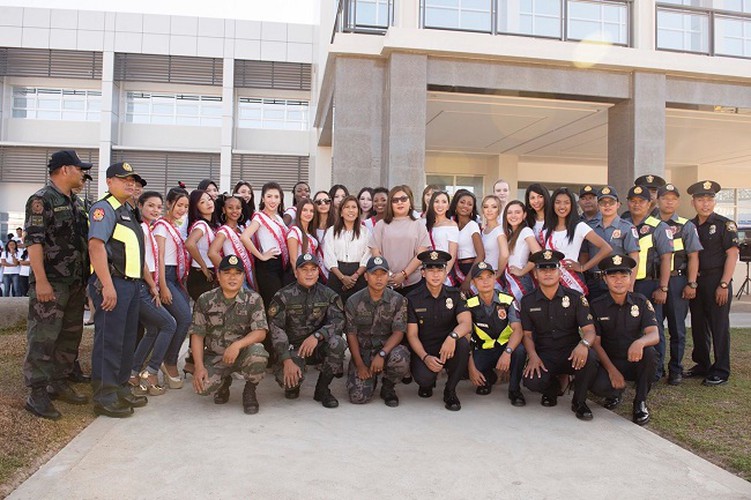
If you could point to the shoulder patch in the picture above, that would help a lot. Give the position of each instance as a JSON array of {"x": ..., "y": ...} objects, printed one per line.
[
  {"x": 273, "y": 310},
  {"x": 97, "y": 214},
  {"x": 650, "y": 306},
  {"x": 584, "y": 301},
  {"x": 730, "y": 226},
  {"x": 669, "y": 234},
  {"x": 37, "y": 207},
  {"x": 634, "y": 233}
]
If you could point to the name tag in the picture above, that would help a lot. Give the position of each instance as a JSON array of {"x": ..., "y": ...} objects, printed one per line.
[
  {"x": 535, "y": 309},
  {"x": 61, "y": 209},
  {"x": 421, "y": 310},
  {"x": 483, "y": 325},
  {"x": 125, "y": 217},
  {"x": 604, "y": 318}
]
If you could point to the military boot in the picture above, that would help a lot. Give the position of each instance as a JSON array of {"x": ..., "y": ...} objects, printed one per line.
[
  {"x": 322, "y": 393},
  {"x": 60, "y": 389},
  {"x": 77, "y": 376},
  {"x": 40, "y": 405},
  {"x": 221, "y": 396},
  {"x": 388, "y": 394},
  {"x": 250, "y": 403}
]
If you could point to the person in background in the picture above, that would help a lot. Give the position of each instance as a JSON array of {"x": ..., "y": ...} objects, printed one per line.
[
  {"x": 324, "y": 219},
  {"x": 210, "y": 187},
  {"x": 470, "y": 251},
  {"x": 337, "y": 194},
  {"x": 23, "y": 274},
  {"x": 244, "y": 190},
  {"x": 427, "y": 195},
  {"x": 443, "y": 232},
  {"x": 231, "y": 211},
  {"x": 346, "y": 251},
  {"x": 380, "y": 201},
  {"x": 300, "y": 238},
  {"x": 502, "y": 191},
  {"x": 11, "y": 262},
  {"x": 588, "y": 203},
  {"x": 365, "y": 201},
  {"x": 300, "y": 191}
]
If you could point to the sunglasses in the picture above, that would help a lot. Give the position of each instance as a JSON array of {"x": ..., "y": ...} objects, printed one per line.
[
  {"x": 400, "y": 199},
  {"x": 323, "y": 201}
]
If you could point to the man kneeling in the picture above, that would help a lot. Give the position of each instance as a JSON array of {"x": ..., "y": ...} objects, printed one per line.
[{"x": 231, "y": 323}]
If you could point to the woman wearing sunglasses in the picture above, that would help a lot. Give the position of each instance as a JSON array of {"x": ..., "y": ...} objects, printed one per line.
[{"x": 322, "y": 220}]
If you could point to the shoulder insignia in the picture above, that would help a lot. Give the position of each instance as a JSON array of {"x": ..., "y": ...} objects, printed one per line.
[
  {"x": 37, "y": 207},
  {"x": 98, "y": 214},
  {"x": 730, "y": 226},
  {"x": 584, "y": 301},
  {"x": 634, "y": 233},
  {"x": 36, "y": 220},
  {"x": 273, "y": 310},
  {"x": 669, "y": 233},
  {"x": 650, "y": 306}
]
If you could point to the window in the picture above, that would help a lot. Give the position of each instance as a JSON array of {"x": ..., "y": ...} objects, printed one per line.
[
  {"x": 469, "y": 15},
  {"x": 275, "y": 114},
  {"x": 173, "y": 109},
  {"x": 368, "y": 13},
  {"x": 530, "y": 17},
  {"x": 685, "y": 31},
  {"x": 452, "y": 183},
  {"x": 597, "y": 21},
  {"x": 56, "y": 104},
  {"x": 735, "y": 204},
  {"x": 732, "y": 36}
]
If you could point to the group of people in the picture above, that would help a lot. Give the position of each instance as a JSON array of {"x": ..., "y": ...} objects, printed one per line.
[
  {"x": 14, "y": 266},
  {"x": 534, "y": 289}
]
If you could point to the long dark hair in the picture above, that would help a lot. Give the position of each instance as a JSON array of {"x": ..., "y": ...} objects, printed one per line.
[
  {"x": 222, "y": 200},
  {"x": 429, "y": 187},
  {"x": 461, "y": 193},
  {"x": 7, "y": 246},
  {"x": 330, "y": 218},
  {"x": 174, "y": 194},
  {"x": 430, "y": 215},
  {"x": 512, "y": 235},
  {"x": 250, "y": 206},
  {"x": 268, "y": 187},
  {"x": 536, "y": 188},
  {"x": 205, "y": 183},
  {"x": 389, "y": 215},
  {"x": 149, "y": 194},
  {"x": 571, "y": 220},
  {"x": 370, "y": 212},
  {"x": 298, "y": 223},
  {"x": 193, "y": 213},
  {"x": 334, "y": 189},
  {"x": 339, "y": 224}
]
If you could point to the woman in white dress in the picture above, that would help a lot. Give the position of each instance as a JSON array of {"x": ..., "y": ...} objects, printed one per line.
[
  {"x": 463, "y": 210},
  {"x": 227, "y": 240},
  {"x": 493, "y": 237},
  {"x": 521, "y": 244},
  {"x": 537, "y": 202},
  {"x": 443, "y": 232}
]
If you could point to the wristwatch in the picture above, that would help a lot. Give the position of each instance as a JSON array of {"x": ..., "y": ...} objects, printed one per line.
[
  {"x": 454, "y": 335},
  {"x": 508, "y": 350},
  {"x": 318, "y": 336},
  {"x": 664, "y": 289},
  {"x": 723, "y": 284},
  {"x": 585, "y": 343},
  {"x": 693, "y": 284},
  {"x": 382, "y": 353}
]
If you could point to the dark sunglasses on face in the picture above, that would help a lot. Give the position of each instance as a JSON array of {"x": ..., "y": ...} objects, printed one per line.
[
  {"x": 322, "y": 201},
  {"x": 400, "y": 199}
]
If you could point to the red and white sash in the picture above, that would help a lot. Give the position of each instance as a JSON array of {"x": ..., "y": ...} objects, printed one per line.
[
  {"x": 450, "y": 279},
  {"x": 154, "y": 250},
  {"x": 205, "y": 229},
  {"x": 240, "y": 251},
  {"x": 278, "y": 231},
  {"x": 514, "y": 284},
  {"x": 183, "y": 257},
  {"x": 570, "y": 279}
]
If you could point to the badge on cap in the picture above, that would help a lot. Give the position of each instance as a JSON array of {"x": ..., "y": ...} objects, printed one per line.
[
  {"x": 482, "y": 265},
  {"x": 707, "y": 185},
  {"x": 606, "y": 190},
  {"x": 449, "y": 303},
  {"x": 502, "y": 313},
  {"x": 635, "y": 311},
  {"x": 433, "y": 255},
  {"x": 616, "y": 234},
  {"x": 617, "y": 260},
  {"x": 565, "y": 302},
  {"x": 650, "y": 178},
  {"x": 547, "y": 254},
  {"x": 98, "y": 214},
  {"x": 712, "y": 229},
  {"x": 587, "y": 188},
  {"x": 378, "y": 261},
  {"x": 127, "y": 167},
  {"x": 232, "y": 260},
  {"x": 638, "y": 190},
  {"x": 669, "y": 187},
  {"x": 307, "y": 257}
]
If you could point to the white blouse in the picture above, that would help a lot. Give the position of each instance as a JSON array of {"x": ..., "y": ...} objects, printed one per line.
[
  {"x": 441, "y": 236},
  {"x": 466, "y": 246},
  {"x": 559, "y": 241},
  {"x": 519, "y": 256},
  {"x": 490, "y": 243},
  {"x": 170, "y": 250},
  {"x": 344, "y": 248}
]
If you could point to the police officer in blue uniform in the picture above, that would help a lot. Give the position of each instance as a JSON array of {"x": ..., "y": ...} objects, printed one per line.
[
  {"x": 684, "y": 269},
  {"x": 116, "y": 249},
  {"x": 710, "y": 310},
  {"x": 626, "y": 331},
  {"x": 588, "y": 203}
]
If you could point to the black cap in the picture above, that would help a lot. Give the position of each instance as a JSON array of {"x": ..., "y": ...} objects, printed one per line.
[
  {"x": 66, "y": 157},
  {"x": 607, "y": 192},
  {"x": 434, "y": 258},
  {"x": 545, "y": 259},
  {"x": 703, "y": 188},
  {"x": 231, "y": 262},
  {"x": 141, "y": 181},
  {"x": 306, "y": 258},
  {"x": 375, "y": 263},
  {"x": 121, "y": 170},
  {"x": 616, "y": 263},
  {"x": 650, "y": 181},
  {"x": 588, "y": 189},
  {"x": 668, "y": 188},
  {"x": 639, "y": 192},
  {"x": 478, "y": 268},
  {"x": 87, "y": 177}
]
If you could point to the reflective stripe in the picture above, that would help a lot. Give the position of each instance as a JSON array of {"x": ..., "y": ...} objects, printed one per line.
[
  {"x": 489, "y": 342},
  {"x": 678, "y": 243},
  {"x": 131, "y": 244},
  {"x": 646, "y": 242}
]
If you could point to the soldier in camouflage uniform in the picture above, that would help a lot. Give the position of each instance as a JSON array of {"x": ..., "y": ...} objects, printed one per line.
[
  {"x": 231, "y": 323},
  {"x": 306, "y": 320},
  {"x": 56, "y": 232},
  {"x": 376, "y": 323}
]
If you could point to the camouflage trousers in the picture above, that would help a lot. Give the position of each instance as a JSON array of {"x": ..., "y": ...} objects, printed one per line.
[
  {"x": 250, "y": 363},
  {"x": 395, "y": 368},
  {"x": 329, "y": 354},
  {"x": 54, "y": 334}
]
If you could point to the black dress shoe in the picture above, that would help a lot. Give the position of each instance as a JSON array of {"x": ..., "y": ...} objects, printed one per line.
[
  {"x": 425, "y": 392},
  {"x": 517, "y": 398},
  {"x": 641, "y": 413},
  {"x": 292, "y": 393},
  {"x": 675, "y": 379},
  {"x": 611, "y": 403},
  {"x": 549, "y": 401},
  {"x": 40, "y": 405},
  {"x": 118, "y": 409},
  {"x": 695, "y": 372},
  {"x": 407, "y": 380},
  {"x": 133, "y": 401},
  {"x": 452, "y": 402},
  {"x": 714, "y": 380},
  {"x": 582, "y": 411},
  {"x": 64, "y": 392},
  {"x": 221, "y": 396},
  {"x": 484, "y": 390}
]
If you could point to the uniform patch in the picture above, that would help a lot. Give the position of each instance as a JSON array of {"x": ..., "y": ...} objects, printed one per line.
[
  {"x": 669, "y": 234},
  {"x": 616, "y": 234},
  {"x": 273, "y": 310},
  {"x": 98, "y": 214},
  {"x": 37, "y": 207},
  {"x": 634, "y": 233},
  {"x": 36, "y": 220},
  {"x": 565, "y": 302},
  {"x": 730, "y": 226},
  {"x": 584, "y": 301},
  {"x": 712, "y": 229},
  {"x": 449, "y": 303},
  {"x": 650, "y": 306},
  {"x": 502, "y": 313},
  {"x": 644, "y": 229},
  {"x": 635, "y": 311}
]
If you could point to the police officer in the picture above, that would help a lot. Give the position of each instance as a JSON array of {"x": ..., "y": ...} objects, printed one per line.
[
  {"x": 438, "y": 325},
  {"x": 655, "y": 255},
  {"x": 56, "y": 242},
  {"x": 684, "y": 268},
  {"x": 626, "y": 331},
  {"x": 552, "y": 316},
  {"x": 376, "y": 323},
  {"x": 306, "y": 321},
  {"x": 230, "y": 322},
  {"x": 116, "y": 249},
  {"x": 618, "y": 233},
  {"x": 496, "y": 336},
  {"x": 588, "y": 203},
  {"x": 710, "y": 310},
  {"x": 652, "y": 183}
]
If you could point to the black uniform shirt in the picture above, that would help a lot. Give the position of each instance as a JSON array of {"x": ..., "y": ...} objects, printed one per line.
[
  {"x": 435, "y": 316},
  {"x": 716, "y": 235},
  {"x": 555, "y": 323},
  {"x": 619, "y": 325}
]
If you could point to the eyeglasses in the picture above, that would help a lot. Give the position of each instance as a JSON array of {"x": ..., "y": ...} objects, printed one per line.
[
  {"x": 322, "y": 201},
  {"x": 400, "y": 199}
]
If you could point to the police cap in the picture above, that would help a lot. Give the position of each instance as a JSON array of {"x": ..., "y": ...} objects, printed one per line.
[
  {"x": 607, "y": 192},
  {"x": 616, "y": 263},
  {"x": 588, "y": 189},
  {"x": 64, "y": 158},
  {"x": 375, "y": 263},
  {"x": 668, "y": 188},
  {"x": 306, "y": 258},
  {"x": 479, "y": 268},
  {"x": 650, "y": 181},
  {"x": 434, "y": 258},
  {"x": 121, "y": 170},
  {"x": 546, "y": 259},
  {"x": 231, "y": 262},
  {"x": 703, "y": 188},
  {"x": 639, "y": 192}
]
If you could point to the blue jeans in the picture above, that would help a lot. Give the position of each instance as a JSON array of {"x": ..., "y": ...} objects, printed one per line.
[
  {"x": 180, "y": 310},
  {"x": 647, "y": 287},
  {"x": 159, "y": 327},
  {"x": 12, "y": 280}
]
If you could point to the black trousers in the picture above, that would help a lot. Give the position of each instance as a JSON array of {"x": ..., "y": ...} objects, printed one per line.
[
  {"x": 347, "y": 269},
  {"x": 486, "y": 359},
  {"x": 269, "y": 278},
  {"x": 198, "y": 284},
  {"x": 557, "y": 364},
  {"x": 642, "y": 372},
  {"x": 456, "y": 367},
  {"x": 710, "y": 326}
]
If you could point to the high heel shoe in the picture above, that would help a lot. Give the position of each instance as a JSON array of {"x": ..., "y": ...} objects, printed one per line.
[
  {"x": 150, "y": 384},
  {"x": 172, "y": 382},
  {"x": 134, "y": 382}
]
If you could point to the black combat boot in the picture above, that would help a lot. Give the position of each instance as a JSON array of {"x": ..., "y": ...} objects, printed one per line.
[
  {"x": 60, "y": 389},
  {"x": 250, "y": 403},
  {"x": 221, "y": 395},
  {"x": 388, "y": 394},
  {"x": 40, "y": 405},
  {"x": 77, "y": 376},
  {"x": 322, "y": 393}
]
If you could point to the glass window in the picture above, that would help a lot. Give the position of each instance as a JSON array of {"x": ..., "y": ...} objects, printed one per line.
[
  {"x": 683, "y": 31},
  {"x": 732, "y": 36},
  {"x": 275, "y": 114},
  {"x": 470, "y": 15},
  {"x": 530, "y": 17},
  {"x": 597, "y": 21},
  {"x": 56, "y": 104},
  {"x": 173, "y": 109},
  {"x": 369, "y": 13},
  {"x": 452, "y": 183},
  {"x": 743, "y": 6}
]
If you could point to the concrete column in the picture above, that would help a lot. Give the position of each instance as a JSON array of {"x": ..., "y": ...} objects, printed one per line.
[
  {"x": 405, "y": 109},
  {"x": 636, "y": 132},
  {"x": 110, "y": 118},
  {"x": 228, "y": 120},
  {"x": 643, "y": 24},
  {"x": 358, "y": 119},
  {"x": 407, "y": 14}
]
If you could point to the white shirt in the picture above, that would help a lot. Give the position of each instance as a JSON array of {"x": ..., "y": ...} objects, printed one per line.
[
  {"x": 490, "y": 243},
  {"x": 149, "y": 256},
  {"x": 441, "y": 236},
  {"x": 292, "y": 212},
  {"x": 295, "y": 233},
  {"x": 466, "y": 246},
  {"x": 519, "y": 256},
  {"x": 538, "y": 228},
  {"x": 203, "y": 244},
  {"x": 8, "y": 256},
  {"x": 266, "y": 239},
  {"x": 559, "y": 241},
  {"x": 343, "y": 248},
  {"x": 170, "y": 250}
]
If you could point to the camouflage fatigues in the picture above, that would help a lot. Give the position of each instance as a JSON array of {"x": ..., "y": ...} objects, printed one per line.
[
  {"x": 295, "y": 313},
  {"x": 370, "y": 324},
  {"x": 221, "y": 321},
  {"x": 58, "y": 223}
]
